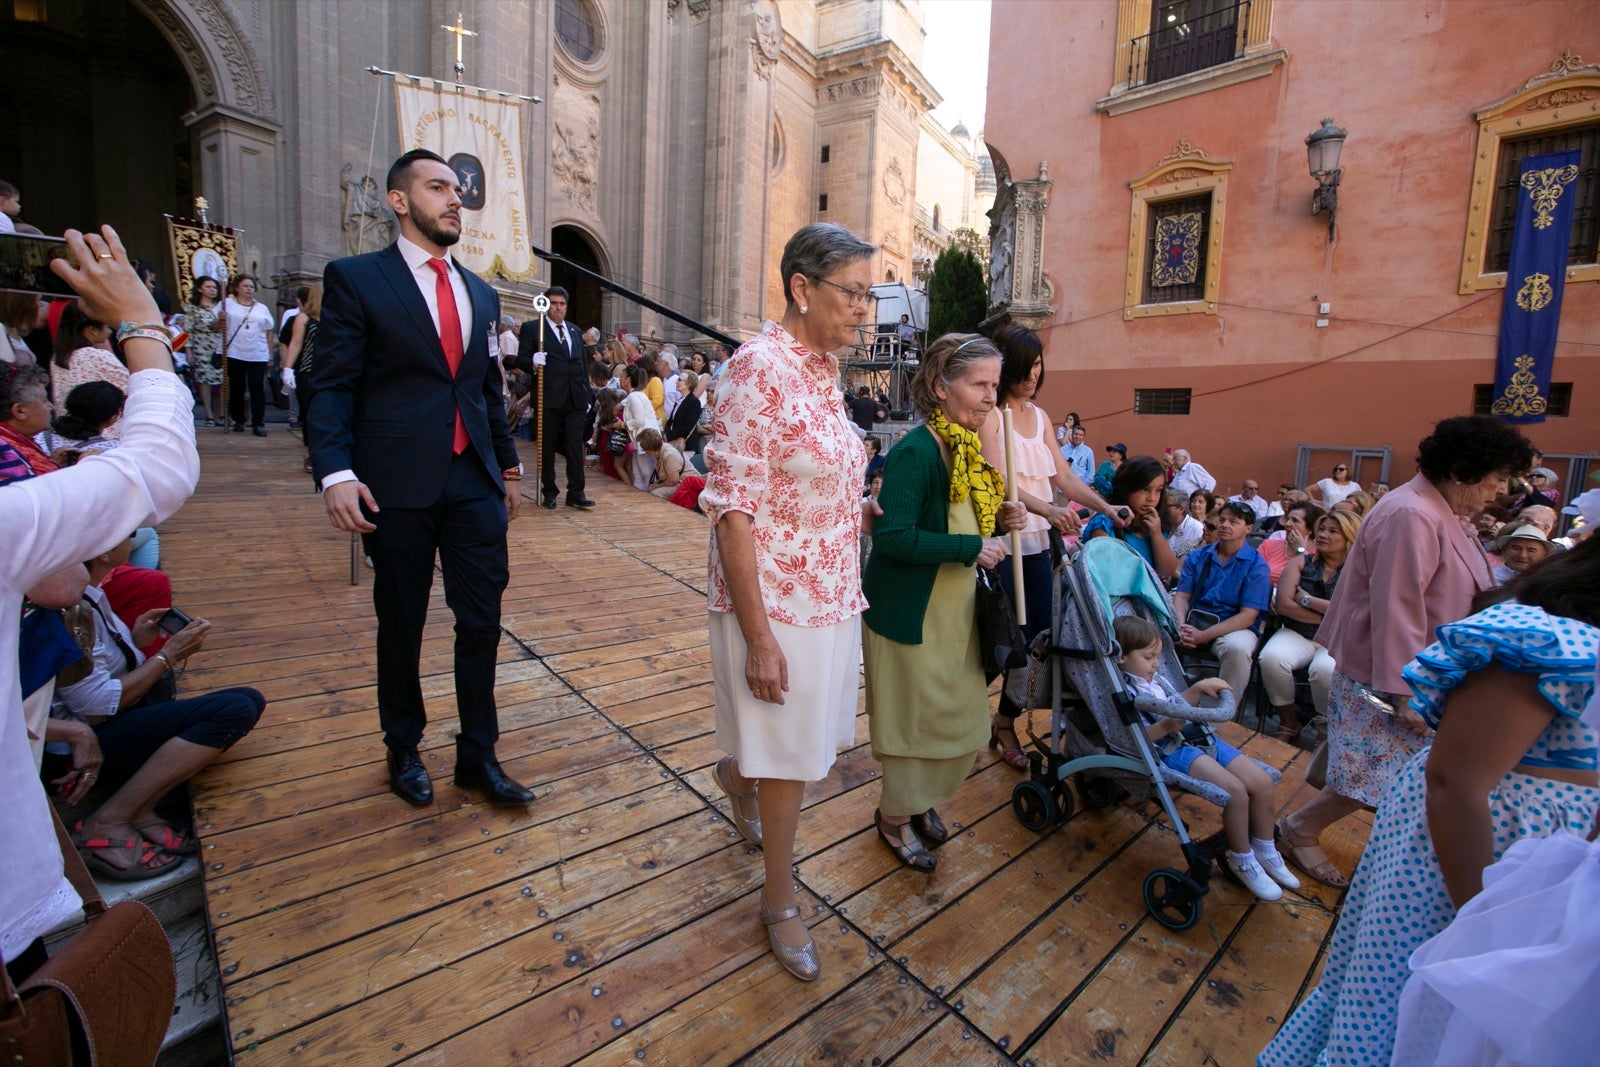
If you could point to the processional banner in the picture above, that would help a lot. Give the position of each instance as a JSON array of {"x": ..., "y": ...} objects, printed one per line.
[
  {"x": 201, "y": 250},
  {"x": 1535, "y": 279},
  {"x": 480, "y": 135}
]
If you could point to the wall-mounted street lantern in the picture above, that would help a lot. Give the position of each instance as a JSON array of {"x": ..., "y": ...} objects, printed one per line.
[{"x": 1322, "y": 157}]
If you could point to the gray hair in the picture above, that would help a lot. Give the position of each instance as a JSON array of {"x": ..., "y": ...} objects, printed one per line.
[
  {"x": 947, "y": 360},
  {"x": 819, "y": 249},
  {"x": 507, "y": 320},
  {"x": 630, "y": 339}
]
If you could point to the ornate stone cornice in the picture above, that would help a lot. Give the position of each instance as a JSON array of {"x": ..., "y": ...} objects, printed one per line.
[{"x": 1565, "y": 65}]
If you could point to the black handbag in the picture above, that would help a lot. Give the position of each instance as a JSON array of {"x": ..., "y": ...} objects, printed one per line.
[
  {"x": 617, "y": 441},
  {"x": 1000, "y": 639}
]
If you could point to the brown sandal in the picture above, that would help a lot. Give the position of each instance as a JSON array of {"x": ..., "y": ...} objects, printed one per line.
[
  {"x": 1288, "y": 734},
  {"x": 1014, "y": 755},
  {"x": 1298, "y": 851}
]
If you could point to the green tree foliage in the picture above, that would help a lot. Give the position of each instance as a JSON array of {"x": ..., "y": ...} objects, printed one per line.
[{"x": 957, "y": 295}]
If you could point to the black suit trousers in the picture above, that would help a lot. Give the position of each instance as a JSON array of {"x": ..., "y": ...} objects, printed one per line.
[
  {"x": 563, "y": 430},
  {"x": 466, "y": 527}
]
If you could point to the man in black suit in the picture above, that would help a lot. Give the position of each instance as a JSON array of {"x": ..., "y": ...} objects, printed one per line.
[
  {"x": 410, "y": 445},
  {"x": 566, "y": 396}
]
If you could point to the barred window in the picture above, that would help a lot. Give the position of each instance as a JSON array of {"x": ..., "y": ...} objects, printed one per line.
[
  {"x": 1584, "y": 246},
  {"x": 1161, "y": 401},
  {"x": 1175, "y": 256}
]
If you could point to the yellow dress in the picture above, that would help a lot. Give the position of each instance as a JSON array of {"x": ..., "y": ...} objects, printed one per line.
[{"x": 928, "y": 704}]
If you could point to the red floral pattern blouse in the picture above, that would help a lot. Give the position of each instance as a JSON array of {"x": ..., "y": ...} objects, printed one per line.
[{"x": 784, "y": 451}]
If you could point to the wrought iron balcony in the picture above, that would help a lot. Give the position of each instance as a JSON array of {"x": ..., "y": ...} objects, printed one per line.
[{"x": 1193, "y": 41}]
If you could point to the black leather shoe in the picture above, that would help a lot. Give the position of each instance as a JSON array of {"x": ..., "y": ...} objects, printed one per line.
[
  {"x": 238, "y": 427},
  {"x": 930, "y": 828},
  {"x": 484, "y": 775},
  {"x": 579, "y": 502},
  {"x": 259, "y": 431},
  {"x": 549, "y": 501},
  {"x": 408, "y": 778}
]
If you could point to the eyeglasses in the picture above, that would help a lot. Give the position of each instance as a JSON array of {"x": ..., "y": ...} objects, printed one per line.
[{"x": 857, "y": 297}]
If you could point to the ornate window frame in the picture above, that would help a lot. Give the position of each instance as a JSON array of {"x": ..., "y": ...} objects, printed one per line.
[
  {"x": 1567, "y": 94},
  {"x": 1182, "y": 173}
]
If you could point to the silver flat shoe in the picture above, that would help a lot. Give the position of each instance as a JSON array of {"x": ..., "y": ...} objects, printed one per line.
[
  {"x": 802, "y": 962},
  {"x": 749, "y": 829}
]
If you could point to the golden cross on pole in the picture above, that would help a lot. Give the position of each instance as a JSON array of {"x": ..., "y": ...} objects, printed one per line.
[{"x": 461, "y": 33}]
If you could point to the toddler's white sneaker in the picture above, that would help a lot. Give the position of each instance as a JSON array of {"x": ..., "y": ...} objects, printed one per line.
[
  {"x": 1277, "y": 870},
  {"x": 1248, "y": 871}
]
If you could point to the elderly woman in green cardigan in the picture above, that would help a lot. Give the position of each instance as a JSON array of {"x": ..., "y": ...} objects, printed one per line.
[{"x": 942, "y": 503}]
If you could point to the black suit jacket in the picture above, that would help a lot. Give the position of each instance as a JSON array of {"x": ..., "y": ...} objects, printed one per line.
[
  {"x": 385, "y": 403},
  {"x": 566, "y": 384}
]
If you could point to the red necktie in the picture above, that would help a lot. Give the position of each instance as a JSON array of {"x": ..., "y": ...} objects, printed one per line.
[{"x": 449, "y": 337}]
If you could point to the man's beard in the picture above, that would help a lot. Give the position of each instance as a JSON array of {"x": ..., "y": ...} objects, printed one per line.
[{"x": 430, "y": 228}]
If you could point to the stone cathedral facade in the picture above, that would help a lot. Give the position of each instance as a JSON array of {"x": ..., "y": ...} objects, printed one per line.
[{"x": 676, "y": 146}]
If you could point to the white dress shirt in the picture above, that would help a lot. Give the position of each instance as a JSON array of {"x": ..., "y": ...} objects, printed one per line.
[
  {"x": 1192, "y": 477},
  {"x": 46, "y": 523},
  {"x": 416, "y": 258}
]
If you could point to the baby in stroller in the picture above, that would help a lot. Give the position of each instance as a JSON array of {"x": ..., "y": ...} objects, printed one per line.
[{"x": 1191, "y": 748}]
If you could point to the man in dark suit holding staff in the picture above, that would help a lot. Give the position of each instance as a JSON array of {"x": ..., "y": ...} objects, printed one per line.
[
  {"x": 567, "y": 398},
  {"x": 411, "y": 446}
]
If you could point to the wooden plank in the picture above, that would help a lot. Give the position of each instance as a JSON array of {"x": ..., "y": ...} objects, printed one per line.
[
  {"x": 728, "y": 946},
  {"x": 951, "y": 1043},
  {"x": 1249, "y": 991},
  {"x": 451, "y": 992},
  {"x": 877, "y": 1016}
]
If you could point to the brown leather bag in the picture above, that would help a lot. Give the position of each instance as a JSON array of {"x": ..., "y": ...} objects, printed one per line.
[{"x": 105, "y": 997}]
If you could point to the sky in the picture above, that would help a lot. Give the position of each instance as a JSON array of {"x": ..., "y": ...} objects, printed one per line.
[{"x": 955, "y": 58}]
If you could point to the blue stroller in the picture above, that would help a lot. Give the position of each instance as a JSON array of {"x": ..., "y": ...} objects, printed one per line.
[{"x": 1097, "y": 723}]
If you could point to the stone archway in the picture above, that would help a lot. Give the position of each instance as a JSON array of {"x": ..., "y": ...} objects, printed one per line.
[
  {"x": 123, "y": 112},
  {"x": 587, "y": 301},
  {"x": 91, "y": 121}
]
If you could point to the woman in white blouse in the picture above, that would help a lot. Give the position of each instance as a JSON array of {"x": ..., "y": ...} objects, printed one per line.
[
  {"x": 249, "y": 340},
  {"x": 1332, "y": 490}
]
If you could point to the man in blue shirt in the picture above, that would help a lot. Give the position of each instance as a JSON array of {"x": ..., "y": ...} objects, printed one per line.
[
  {"x": 1227, "y": 580},
  {"x": 1079, "y": 456}
]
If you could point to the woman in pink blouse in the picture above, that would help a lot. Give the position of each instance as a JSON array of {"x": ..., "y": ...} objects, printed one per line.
[
  {"x": 783, "y": 491},
  {"x": 83, "y": 354}
]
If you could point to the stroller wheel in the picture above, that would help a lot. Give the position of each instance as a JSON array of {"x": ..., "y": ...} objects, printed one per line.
[
  {"x": 1035, "y": 808},
  {"x": 1063, "y": 798},
  {"x": 1098, "y": 792},
  {"x": 1173, "y": 898}
]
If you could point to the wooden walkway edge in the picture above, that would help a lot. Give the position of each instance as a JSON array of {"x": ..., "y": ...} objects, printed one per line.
[{"x": 615, "y": 921}]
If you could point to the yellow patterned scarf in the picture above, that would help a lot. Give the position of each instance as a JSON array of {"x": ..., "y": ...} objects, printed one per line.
[{"x": 970, "y": 473}]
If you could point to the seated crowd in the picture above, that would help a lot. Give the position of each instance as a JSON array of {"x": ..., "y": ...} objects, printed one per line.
[{"x": 100, "y": 649}]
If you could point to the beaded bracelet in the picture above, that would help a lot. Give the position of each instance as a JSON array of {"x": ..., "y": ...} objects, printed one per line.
[
  {"x": 512, "y": 475},
  {"x": 148, "y": 331}
]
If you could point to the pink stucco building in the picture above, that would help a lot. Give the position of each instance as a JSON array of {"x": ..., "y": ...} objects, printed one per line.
[{"x": 1158, "y": 116}]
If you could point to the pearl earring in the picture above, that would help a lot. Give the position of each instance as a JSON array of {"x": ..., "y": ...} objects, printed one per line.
[{"x": 804, "y": 309}]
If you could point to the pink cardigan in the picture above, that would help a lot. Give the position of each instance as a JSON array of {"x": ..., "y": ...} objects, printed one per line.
[{"x": 1414, "y": 567}]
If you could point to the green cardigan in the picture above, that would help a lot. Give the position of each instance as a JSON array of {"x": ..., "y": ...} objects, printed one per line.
[{"x": 909, "y": 540}]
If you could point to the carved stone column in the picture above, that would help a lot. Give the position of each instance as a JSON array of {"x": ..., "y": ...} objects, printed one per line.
[{"x": 1019, "y": 288}]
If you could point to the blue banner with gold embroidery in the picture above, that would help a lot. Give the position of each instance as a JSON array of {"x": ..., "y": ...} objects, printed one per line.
[{"x": 1535, "y": 279}]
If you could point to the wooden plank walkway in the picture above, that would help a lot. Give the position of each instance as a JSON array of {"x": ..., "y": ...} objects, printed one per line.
[{"x": 616, "y": 921}]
